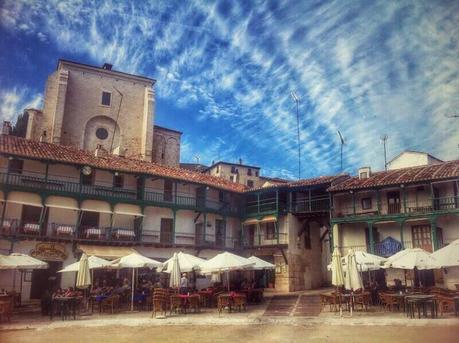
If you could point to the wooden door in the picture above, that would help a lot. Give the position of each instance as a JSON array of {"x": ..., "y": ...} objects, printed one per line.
[
  {"x": 421, "y": 237},
  {"x": 393, "y": 202},
  {"x": 166, "y": 230},
  {"x": 200, "y": 197},
  {"x": 45, "y": 280},
  {"x": 199, "y": 231}
]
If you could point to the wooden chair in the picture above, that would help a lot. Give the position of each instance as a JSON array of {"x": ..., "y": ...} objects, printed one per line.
[
  {"x": 194, "y": 302},
  {"x": 175, "y": 304},
  {"x": 159, "y": 302},
  {"x": 111, "y": 303},
  {"x": 224, "y": 301},
  {"x": 240, "y": 302},
  {"x": 390, "y": 302},
  {"x": 6, "y": 308},
  {"x": 362, "y": 299},
  {"x": 329, "y": 299}
]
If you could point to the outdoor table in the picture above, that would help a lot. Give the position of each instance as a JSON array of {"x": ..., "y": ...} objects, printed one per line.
[
  {"x": 400, "y": 299},
  {"x": 31, "y": 228},
  {"x": 63, "y": 230},
  {"x": 65, "y": 305},
  {"x": 185, "y": 300},
  {"x": 456, "y": 306},
  {"x": 421, "y": 301}
]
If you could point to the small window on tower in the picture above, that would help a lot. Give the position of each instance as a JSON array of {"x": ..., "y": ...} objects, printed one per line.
[
  {"x": 106, "y": 98},
  {"x": 250, "y": 183}
]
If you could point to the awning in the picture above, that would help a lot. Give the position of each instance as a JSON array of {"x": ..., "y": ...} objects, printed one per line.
[
  {"x": 268, "y": 219},
  {"x": 252, "y": 221},
  {"x": 61, "y": 202},
  {"x": 96, "y": 206},
  {"x": 25, "y": 199},
  {"x": 128, "y": 209},
  {"x": 106, "y": 252}
]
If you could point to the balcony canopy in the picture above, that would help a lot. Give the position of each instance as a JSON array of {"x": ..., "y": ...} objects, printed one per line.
[
  {"x": 106, "y": 252},
  {"x": 24, "y": 198},
  {"x": 61, "y": 202},
  {"x": 128, "y": 209},
  {"x": 96, "y": 206},
  {"x": 251, "y": 221}
]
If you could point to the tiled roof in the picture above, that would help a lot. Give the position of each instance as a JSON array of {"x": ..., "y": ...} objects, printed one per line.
[
  {"x": 321, "y": 180},
  {"x": 21, "y": 147},
  {"x": 440, "y": 171}
]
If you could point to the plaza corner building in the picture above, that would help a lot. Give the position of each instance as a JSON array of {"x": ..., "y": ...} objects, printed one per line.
[{"x": 90, "y": 172}]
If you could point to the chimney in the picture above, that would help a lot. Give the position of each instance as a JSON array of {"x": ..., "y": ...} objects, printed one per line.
[
  {"x": 240, "y": 161},
  {"x": 107, "y": 66},
  {"x": 6, "y": 128},
  {"x": 100, "y": 151},
  {"x": 364, "y": 173}
]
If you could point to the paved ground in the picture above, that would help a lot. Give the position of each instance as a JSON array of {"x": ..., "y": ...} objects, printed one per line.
[{"x": 231, "y": 333}]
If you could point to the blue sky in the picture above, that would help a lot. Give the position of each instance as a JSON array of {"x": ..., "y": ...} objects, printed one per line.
[{"x": 225, "y": 71}]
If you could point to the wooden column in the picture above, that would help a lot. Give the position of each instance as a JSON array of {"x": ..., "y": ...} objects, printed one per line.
[
  {"x": 371, "y": 238},
  {"x": 353, "y": 202},
  {"x": 174, "y": 222},
  {"x": 433, "y": 232},
  {"x": 401, "y": 224}
]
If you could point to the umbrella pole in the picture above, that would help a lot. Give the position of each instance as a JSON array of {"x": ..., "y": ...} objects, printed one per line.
[
  {"x": 132, "y": 290},
  {"x": 228, "y": 279}
]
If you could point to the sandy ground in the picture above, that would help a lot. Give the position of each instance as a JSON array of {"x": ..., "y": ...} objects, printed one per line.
[{"x": 235, "y": 333}]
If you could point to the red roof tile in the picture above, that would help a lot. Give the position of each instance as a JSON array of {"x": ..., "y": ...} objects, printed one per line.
[
  {"x": 440, "y": 171},
  {"x": 321, "y": 180},
  {"x": 21, "y": 147}
]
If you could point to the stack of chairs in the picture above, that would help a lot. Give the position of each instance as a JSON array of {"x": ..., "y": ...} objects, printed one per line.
[{"x": 160, "y": 301}]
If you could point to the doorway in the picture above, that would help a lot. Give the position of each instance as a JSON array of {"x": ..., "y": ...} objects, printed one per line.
[
  {"x": 45, "y": 280},
  {"x": 393, "y": 202}
]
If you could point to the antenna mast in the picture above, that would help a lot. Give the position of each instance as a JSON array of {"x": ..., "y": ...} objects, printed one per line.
[{"x": 297, "y": 101}]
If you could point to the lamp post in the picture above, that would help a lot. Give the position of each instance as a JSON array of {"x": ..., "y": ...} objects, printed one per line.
[{"x": 297, "y": 101}]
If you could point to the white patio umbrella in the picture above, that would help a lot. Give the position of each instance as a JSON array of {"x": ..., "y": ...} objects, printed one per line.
[
  {"x": 83, "y": 277},
  {"x": 352, "y": 280},
  {"x": 134, "y": 261},
  {"x": 365, "y": 261},
  {"x": 260, "y": 264},
  {"x": 337, "y": 269},
  {"x": 174, "y": 280},
  {"x": 448, "y": 256},
  {"x": 21, "y": 261},
  {"x": 94, "y": 263},
  {"x": 225, "y": 262},
  {"x": 412, "y": 258},
  {"x": 187, "y": 263}
]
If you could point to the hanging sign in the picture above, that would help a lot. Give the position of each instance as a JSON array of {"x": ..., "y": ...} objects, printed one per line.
[{"x": 49, "y": 252}]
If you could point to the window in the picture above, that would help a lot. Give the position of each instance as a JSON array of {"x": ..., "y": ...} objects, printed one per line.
[
  {"x": 218, "y": 169},
  {"x": 270, "y": 230},
  {"x": 221, "y": 196},
  {"x": 249, "y": 172},
  {"x": 15, "y": 166},
  {"x": 256, "y": 173},
  {"x": 168, "y": 190},
  {"x": 88, "y": 180},
  {"x": 366, "y": 203},
  {"x": 101, "y": 133},
  {"x": 250, "y": 183},
  {"x": 106, "y": 98},
  {"x": 118, "y": 181},
  {"x": 233, "y": 170}
]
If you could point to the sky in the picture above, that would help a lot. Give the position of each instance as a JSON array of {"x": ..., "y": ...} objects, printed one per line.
[{"x": 225, "y": 71}]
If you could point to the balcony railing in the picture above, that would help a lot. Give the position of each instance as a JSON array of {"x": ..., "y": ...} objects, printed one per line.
[
  {"x": 264, "y": 239},
  {"x": 187, "y": 239},
  {"x": 65, "y": 187},
  {"x": 313, "y": 205},
  {"x": 263, "y": 206},
  {"x": 432, "y": 205},
  {"x": 32, "y": 229}
]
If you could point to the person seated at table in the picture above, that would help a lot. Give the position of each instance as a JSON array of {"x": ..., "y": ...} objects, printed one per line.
[
  {"x": 58, "y": 293},
  {"x": 183, "y": 284},
  {"x": 244, "y": 284},
  {"x": 69, "y": 292}
]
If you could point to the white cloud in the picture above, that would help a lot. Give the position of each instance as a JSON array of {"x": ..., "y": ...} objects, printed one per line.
[{"x": 14, "y": 101}]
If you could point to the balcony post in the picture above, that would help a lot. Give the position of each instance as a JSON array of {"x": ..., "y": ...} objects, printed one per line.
[
  {"x": 433, "y": 232},
  {"x": 378, "y": 201},
  {"x": 290, "y": 201},
  {"x": 276, "y": 224},
  {"x": 175, "y": 192},
  {"x": 401, "y": 224},
  {"x": 371, "y": 238},
  {"x": 174, "y": 222},
  {"x": 141, "y": 189},
  {"x": 258, "y": 202},
  {"x": 46, "y": 174},
  {"x": 353, "y": 202},
  {"x": 78, "y": 221},
  {"x": 403, "y": 191},
  {"x": 309, "y": 200},
  {"x": 3, "y": 209},
  {"x": 42, "y": 214},
  {"x": 277, "y": 201},
  {"x": 204, "y": 231},
  {"x": 259, "y": 233}
]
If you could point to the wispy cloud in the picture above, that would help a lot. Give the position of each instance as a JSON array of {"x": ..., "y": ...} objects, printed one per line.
[
  {"x": 14, "y": 101},
  {"x": 364, "y": 68}
]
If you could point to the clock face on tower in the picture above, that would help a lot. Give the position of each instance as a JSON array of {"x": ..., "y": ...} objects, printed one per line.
[{"x": 86, "y": 170}]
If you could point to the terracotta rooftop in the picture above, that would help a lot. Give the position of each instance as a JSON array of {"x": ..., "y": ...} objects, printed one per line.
[
  {"x": 321, "y": 180},
  {"x": 441, "y": 171},
  {"x": 22, "y": 147}
]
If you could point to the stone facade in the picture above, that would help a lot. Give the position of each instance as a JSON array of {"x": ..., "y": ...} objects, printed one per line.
[
  {"x": 73, "y": 111},
  {"x": 240, "y": 173},
  {"x": 166, "y": 146}
]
